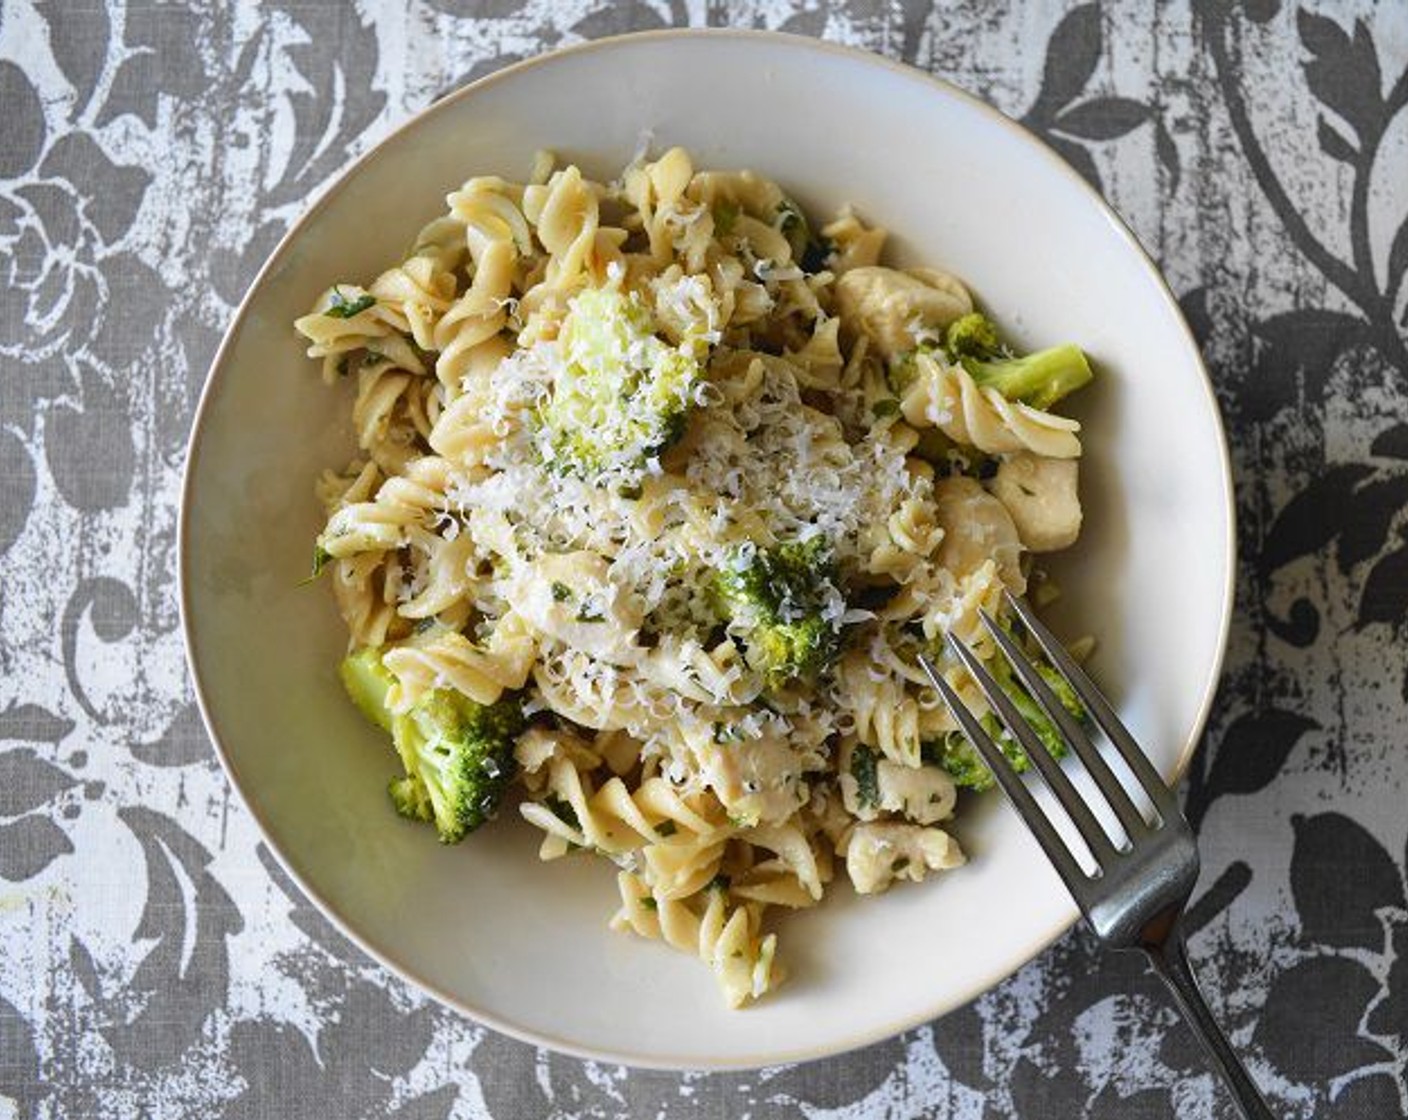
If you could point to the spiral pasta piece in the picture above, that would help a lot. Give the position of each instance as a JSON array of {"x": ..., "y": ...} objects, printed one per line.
[
  {"x": 946, "y": 397},
  {"x": 678, "y": 483},
  {"x": 475, "y": 319},
  {"x": 418, "y": 292},
  {"x": 348, "y": 320},
  {"x": 491, "y": 211},
  {"x": 565, "y": 213},
  {"x": 450, "y": 660},
  {"x": 728, "y": 940},
  {"x": 885, "y": 712}
]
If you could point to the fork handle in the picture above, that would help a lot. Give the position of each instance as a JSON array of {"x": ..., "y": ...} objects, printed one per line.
[{"x": 1169, "y": 956}]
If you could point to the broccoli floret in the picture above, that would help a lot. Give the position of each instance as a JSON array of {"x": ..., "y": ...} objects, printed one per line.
[
  {"x": 367, "y": 681},
  {"x": 460, "y": 754},
  {"x": 1060, "y": 686},
  {"x": 622, "y": 395},
  {"x": 1039, "y": 379},
  {"x": 457, "y": 755},
  {"x": 964, "y": 764},
  {"x": 411, "y": 799},
  {"x": 783, "y": 602},
  {"x": 956, "y": 755},
  {"x": 341, "y": 306},
  {"x": 1030, "y": 710},
  {"x": 972, "y": 336}
]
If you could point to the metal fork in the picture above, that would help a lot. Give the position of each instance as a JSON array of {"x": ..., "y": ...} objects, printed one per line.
[{"x": 1136, "y": 896}]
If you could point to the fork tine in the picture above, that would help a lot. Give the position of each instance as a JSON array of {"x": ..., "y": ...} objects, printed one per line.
[
  {"x": 1061, "y": 787},
  {"x": 1100, "y": 711},
  {"x": 1131, "y": 820},
  {"x": 1022, "y": 800}
]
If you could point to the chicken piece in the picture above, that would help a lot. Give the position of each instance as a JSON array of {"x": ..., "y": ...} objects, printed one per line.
[
  {"x": 895, "y": 309},
  {"x": 759, "y": 781},
  {"x": 570, "y": 597},
  {"x": 878, "y": 853},
  {"x": 1041, "y": 496},
  {"x": 977, "y": 528},
  {"x": 923, "y": 794}
]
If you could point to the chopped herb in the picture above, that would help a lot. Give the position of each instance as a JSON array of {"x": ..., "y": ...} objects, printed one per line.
[
  {"x": 561, "y": 592},
  {"x": 649, "y": 903},
  {"x": 865, "y": 769},
  {"x": 817, "y": 253},
  {"x": 562, "y": 810},
  {"x": 873, "y": 598},
  {"x": 665, "y": 828},
  {"x": 887, "y": 406},
  {"x": 790, "y": 219},
  {"x": 340, "y": 307},
  {"x": 631, "y": 491},
  {"x": 321, "y": 559},
  {"x": 808, "y": 250},
  {"x": 723, "y": 733},
  {"x": 590, "y": 612},
  {"x": 725, "y": 215}
]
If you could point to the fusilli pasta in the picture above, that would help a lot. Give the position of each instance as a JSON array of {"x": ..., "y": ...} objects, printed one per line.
[{"x": 661, "y": 490}]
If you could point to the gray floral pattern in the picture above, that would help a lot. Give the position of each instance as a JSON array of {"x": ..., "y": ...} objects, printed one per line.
[{"x": 159, "y": 964}]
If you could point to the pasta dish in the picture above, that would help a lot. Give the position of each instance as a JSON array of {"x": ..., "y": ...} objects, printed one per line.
[{"x": 661, "y": 489}]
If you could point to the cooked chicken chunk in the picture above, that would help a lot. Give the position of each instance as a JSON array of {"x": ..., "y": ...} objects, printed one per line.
[{"x": 895, "y": 309}]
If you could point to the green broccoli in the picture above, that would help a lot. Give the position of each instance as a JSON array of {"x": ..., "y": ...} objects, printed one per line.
[
  {"x": 411, "y": 799},
  {"x": 1059, "y": 685},
  {"x": 462, "y": 754},
  {"x": 962, "y": 761},
  {"x": 966, "y": 766},
  {"x": 367, "y": 681},
  {"x": 457, "y": 755},
  {"x": 776, "y": 599},
  {"x": 622, "y": 395},
  {"x": 1040, "y": 379},
  {"x": 1029, "y": 709},
  {"x": 341, "y": 307},
  {"x": 972, "y": 336}
]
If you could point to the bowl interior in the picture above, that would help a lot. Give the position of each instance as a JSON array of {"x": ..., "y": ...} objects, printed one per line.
[{"x": 524, "y": 945}]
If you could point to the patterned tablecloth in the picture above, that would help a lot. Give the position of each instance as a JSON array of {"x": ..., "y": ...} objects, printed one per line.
[{"x": 157, "y": 963}]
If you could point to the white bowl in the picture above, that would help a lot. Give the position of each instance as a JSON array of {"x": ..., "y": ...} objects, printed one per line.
[{"x": 523, "y": 946}]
